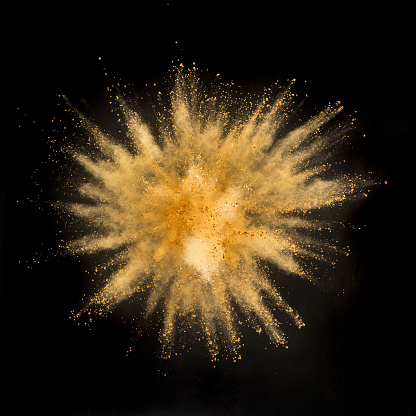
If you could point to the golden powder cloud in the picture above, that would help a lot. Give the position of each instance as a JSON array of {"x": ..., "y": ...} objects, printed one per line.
[{"x": 190, "y": 210}]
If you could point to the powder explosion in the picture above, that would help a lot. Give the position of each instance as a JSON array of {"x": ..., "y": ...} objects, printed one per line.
[{"x": 191, "y": 215}]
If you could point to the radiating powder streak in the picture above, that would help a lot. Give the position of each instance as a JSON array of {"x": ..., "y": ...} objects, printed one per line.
[{"x": 190, "y": 213}]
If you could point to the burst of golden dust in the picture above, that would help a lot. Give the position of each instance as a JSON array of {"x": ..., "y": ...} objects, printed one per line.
[{"x": 189, "y": 213}]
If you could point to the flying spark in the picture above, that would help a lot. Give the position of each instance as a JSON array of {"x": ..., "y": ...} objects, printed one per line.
[{"x": 192, "y": 213}]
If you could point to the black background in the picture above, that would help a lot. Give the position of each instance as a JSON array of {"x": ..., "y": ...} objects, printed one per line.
[{"x": 354, "y": 355}]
